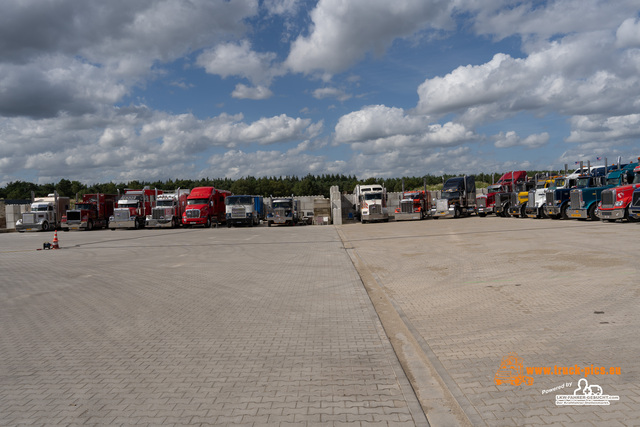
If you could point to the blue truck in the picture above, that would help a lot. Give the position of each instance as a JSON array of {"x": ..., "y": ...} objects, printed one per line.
[
  {"x": 584, "y": 201},
  {"x": 244, "y": 210},
  {"x": 634, "y": 207}
]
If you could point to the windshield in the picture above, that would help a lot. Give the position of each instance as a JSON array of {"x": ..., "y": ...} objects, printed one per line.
[
  {"x": 128, "y": 203},
  {"x": 373, "y": 196},
  {"x": 282, "y": 205},
  {"x": 162, "y": 203},
  {"x": 494, "y": 188},
  {"x": 230, "y": 201},
  {"x": 85, "y": 206},
  {"x": 39, "y": 208},
  {"x": 613, "y": 181},
  {"x": 450, "y": 195},
  {"x": 559, "y": 182},
  {"x": 542, "y": 184},
  {"x": 197, "y": 201},
  {"x": 582, "y": 182}
]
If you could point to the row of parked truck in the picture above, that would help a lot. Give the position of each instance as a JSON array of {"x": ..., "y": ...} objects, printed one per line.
[
  {"x": 153, "y": 208},
  {"x": 600, "y": 192},
  {"x": 605, "y": 192}
]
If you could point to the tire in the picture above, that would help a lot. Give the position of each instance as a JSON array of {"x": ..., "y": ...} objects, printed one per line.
[
  {"x": 482, "y": 215},
  {"x": 592, "y": 212},
  {"x": 45, "y": 226},
  {"x": 563, "y": 211},
  {"x": 89, "y": 225},
  {"x": 456, "y": 212},
  {"x": 505, "y": 212},
  {"x": 208, "y": 224},
  {"x": 542, "y": 214},
  {"x": 268, "y": 223},
  {"x": 136, "y": 224}
]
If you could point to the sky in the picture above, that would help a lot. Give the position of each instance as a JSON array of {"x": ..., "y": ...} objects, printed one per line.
[{"x": 120, "y": 90}]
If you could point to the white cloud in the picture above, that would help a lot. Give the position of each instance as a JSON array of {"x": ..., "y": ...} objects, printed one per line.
[
  {"x": 331, "y": 92},
  {"x": 343, "y": 32},
  {"x": 628, "y": 34},
  {"x": 238, "y": 59},
  {"x": 512, "y": 139},
  {"x": 257, "y": 93}
]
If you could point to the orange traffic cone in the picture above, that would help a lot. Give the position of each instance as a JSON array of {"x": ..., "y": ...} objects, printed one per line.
[{"x": 55, "y": 241}]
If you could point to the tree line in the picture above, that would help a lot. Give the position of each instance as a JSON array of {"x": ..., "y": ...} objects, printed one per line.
[{"x": 310, "y": 185}]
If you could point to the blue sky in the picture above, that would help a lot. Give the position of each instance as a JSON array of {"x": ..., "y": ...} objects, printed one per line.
[{"x": 146, "y": 90}]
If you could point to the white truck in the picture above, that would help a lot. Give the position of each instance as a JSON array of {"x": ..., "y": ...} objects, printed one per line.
[
  {"x": 371, "y": 203},
  {"x": 283, "y": 211},
  {"x": 45, "y": 213}
]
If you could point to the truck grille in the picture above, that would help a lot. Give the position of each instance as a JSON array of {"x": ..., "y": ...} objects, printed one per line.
[
  {"x": 279, "y": 212},
  {"x": 73, "y": 216},
  {"x": 406, "y": 207},
  {"x": 161, "y": 212},
  {"x": 635, "y": 202},
  {"x": 549, "y": 198},
  {"x": 531, "y": 202},
  {"x": 576, "y": 199},
  {"x": 237, "y": 212},
  {"x": 28, "y": 218},
  {"x": 193, "y": 213},
  {"x": 481, "y": 202},
  {"x": 375, "y": 209},
  {"x": 121, "y": 215},
  {"x": 608, "y": 198}
]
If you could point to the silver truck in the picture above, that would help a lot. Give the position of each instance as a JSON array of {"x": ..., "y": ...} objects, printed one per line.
[{"x": 45, "y": 213}]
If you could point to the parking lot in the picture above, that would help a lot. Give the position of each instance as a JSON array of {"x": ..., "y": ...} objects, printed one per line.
[{"x": 370, "y": 324}]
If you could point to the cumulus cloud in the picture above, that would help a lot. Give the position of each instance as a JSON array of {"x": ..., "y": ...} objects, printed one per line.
[
  {"x": 238, "y": 59},
  {"x": 343, "y": 32},
  {"x": 512, "y": 139},
  {"x": 66, "y": 57},
  {"x": 237, "y": 163},
  {"x": 136, "y": 141},
  {"x": 245, "y": 92}
]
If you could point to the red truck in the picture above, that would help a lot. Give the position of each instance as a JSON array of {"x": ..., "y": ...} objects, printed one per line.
[
  {"x": 614, "y": 202},
  {"x": 413, "y": 205},
  {"x": 205, "y": 206},
  {"x": 133, "y": 208},
  {"x": 497, "y": 199},
  {"x": 93, "y": 212}
]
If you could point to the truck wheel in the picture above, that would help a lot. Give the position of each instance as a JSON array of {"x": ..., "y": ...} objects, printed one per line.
[
  {"x": 136, "y": 224},
  {"x": 482, "y": 215},
  {"x": 208, "y": 224},
  {"x": 629, "y": 217},
  {"x": 592, "y": 212},
  {"x": 45, "y": 226},
  {"x": 456, "y": 212},
  {"x": 563, "y": 211},
  {"x": 505, "y": 210},
  {"x": 89, "y": 225},
  {"x": 268, "y": 223}
]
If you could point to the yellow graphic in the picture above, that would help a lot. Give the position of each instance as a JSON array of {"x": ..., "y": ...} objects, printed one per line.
[{"x": 511, "y": 371}]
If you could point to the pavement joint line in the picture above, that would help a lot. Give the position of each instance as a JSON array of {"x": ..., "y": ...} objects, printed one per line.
[
  {"x": 468, "y": 408},
  {"x": 438, "y": 403}
]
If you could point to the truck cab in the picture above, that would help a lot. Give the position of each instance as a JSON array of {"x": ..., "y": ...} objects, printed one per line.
[
  {"x": 537, "y": 198},
  {"x": 205, "y": 206},
  {"x": 372, "y": 203},
  {"x": 46, "y": 213},
  {"x": 458, "y": 198},
  {"x": 283, "y": 211},
  {"x": 615, "y": 202},
  {"x": 497, "y": 200},
  {"x": 413, "y": 205},
  {"x": 133, "y": 208},
  {"x": 93, "y": 212},
  {"x": 519, "y": 197},
  {"x": 247, "y": 210},
  {"x": 167, "y": 213},
  {"x": 557, "y": 195}
]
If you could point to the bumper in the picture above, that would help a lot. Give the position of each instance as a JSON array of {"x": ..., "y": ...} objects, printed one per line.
[
  {"x": 634, "y": 213},
  {"x": 578, "y": 213},
  {"x": 407, "y": 216},
  {"x": 486, "y": 211},
  {"x": 443, "y": 214},
  {"x": 375, "y": 217},
  {"x": 29, "y": 227},
  {"x": 240, "y": 221},
  {"x": 532, "y": 212},
  {"x": 610, "y": 214},
  {"x": 552, "y": 210},
  {"x": 281, "y": 220},
  {"x": 515, "y": 210},
  {"x": 74, "y": 225},
  {"x": 194, "y": 221},
  {"x": 159, "y": 223},
  {"x": 122, "y": 224}
]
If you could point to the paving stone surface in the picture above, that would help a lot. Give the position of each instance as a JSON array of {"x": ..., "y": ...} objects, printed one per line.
[
  {"x": 248, "y": 326},
  {"x": 557, "y": 293}
]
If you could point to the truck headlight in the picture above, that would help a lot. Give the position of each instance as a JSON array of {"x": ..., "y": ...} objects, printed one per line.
[{"x": 619, "y": 203}]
